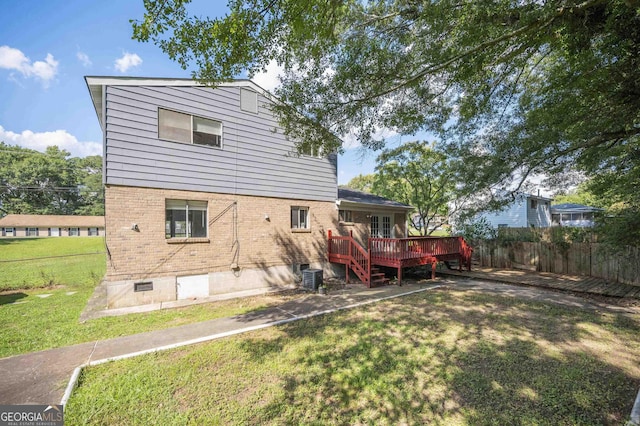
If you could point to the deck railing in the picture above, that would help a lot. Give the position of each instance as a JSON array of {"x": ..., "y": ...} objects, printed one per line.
[
  {"x": 407, "y": 248},
  {"x": 347, "y": 251}
]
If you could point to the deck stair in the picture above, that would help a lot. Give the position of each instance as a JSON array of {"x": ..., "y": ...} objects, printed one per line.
[{"x": 396, "y": 253}]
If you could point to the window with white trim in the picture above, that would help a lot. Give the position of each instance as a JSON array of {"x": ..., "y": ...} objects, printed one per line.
[
  {"x": 74, "y": 232},
  {"x": 93, "y": 232},
  {"x": 299, "y": 217},
  {"x": 180, "y": 127},
  {"x": 32, "y": 232},
  {"x": 8, "y": 232},
  {"x": 345, "y": 215},
  {"x": 185, "y": 219}
]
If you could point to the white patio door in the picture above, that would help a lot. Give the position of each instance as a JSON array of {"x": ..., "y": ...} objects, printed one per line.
[
  {"x": 55, "y": 232},
  {"x": 381, "y": 226}
]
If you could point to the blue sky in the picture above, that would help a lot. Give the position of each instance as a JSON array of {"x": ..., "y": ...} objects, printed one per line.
[{"x": 47, "y": 47}]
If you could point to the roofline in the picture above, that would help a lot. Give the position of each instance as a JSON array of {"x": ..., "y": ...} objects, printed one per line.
[
  {"x": 95, "y": 84},
  {"x": 349, "y": 203}
]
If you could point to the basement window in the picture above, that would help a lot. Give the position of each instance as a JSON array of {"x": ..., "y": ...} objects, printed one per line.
[{"x": 143, "y": 286}]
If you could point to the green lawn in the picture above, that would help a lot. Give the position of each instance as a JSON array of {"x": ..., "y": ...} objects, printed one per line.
[
  {"x": 441, "y": 357},
  {"x": 45, "y": 262},
  {"x": 41, "y": 300}
]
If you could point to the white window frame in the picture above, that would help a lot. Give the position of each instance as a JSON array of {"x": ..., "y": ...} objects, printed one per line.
[
  {"x": 77, "y": 232},
  {"x": 29, "y": 230},
  {"x": 298, "y": 219},
  {"x": 195, "y": 206},
  {"x": 90, "y": 232},
  {"x": 9, "y": 230},
  {"x": 345, "y": 216},
  {"x": 193, "y": 118}
]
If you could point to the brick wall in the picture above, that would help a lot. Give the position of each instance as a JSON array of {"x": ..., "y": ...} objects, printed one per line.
[{"x": 238, "y": 234}]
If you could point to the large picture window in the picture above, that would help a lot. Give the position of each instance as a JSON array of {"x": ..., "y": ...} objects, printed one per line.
[
  {"x": 186, "y": 219},
  {"x": 186, "y": 128},
  {"x": 299, "y": 217}
]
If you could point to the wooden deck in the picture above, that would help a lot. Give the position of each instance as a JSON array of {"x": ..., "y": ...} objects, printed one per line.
[{"x": 396, "y": 253}]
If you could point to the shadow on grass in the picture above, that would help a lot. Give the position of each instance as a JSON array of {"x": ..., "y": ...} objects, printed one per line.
[
  {"x": 431, "y": 359},
  {"x": 7, "y": 299}
]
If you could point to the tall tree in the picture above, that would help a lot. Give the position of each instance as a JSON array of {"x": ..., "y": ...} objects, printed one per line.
[
  {"x": 416, "y": 174},
  {"x": 362, "y": 183},
  {"x": 514, "y": 89},
  {"x": 52, "y": 182}
]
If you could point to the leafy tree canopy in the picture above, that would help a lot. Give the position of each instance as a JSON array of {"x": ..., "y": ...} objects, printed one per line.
[
  {"x": 362, "y": 183},
  {"x": 512, "y": 89},
  {"x": 416, "y": 174},
  {"x": 52, "y": 182}
]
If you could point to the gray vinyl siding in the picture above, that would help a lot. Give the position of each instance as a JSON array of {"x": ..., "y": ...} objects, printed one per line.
[{"x": 253, "y": 159}]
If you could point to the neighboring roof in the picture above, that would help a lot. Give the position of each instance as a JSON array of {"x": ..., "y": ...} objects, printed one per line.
[
  {"x": 537, "y": 197},
  {"x": 96, "y": 84},
  {"x": 348, "y": 196},
  {"x": 573, "y": 208},
  {"x": 49, "y": 220}
]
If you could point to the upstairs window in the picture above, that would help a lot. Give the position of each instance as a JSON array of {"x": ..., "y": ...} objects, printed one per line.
[{"x": 180, "y": 127}]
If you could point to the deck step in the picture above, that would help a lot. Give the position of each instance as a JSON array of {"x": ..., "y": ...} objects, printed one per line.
[{"x": 379, "y": 282}]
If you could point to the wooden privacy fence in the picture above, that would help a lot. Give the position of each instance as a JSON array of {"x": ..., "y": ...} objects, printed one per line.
[{"x": 588, "y": 259}]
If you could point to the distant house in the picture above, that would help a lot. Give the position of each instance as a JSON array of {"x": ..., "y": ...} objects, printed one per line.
[
  {"x": 525, "y": 211},
  {"x": 570, "y": 214},
  {"x": 33, "y": 225}
]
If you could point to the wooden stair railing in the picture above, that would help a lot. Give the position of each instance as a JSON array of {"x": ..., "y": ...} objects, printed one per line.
[{"x": 347, "y": 251}]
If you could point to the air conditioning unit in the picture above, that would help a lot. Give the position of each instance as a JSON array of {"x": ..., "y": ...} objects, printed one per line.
[{"x": 312, "y": 278}]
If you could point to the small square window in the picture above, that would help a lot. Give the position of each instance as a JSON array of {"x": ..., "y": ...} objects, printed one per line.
[
  {"x": 74, "y": 232},
  {"x": 534, "y": 204},
  {"x": 345, "y": 216},
  {"x": 299, "y": 217},
  {"x": 93, "y": 232}
]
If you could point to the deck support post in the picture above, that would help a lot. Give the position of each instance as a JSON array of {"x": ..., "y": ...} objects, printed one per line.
[
  {"x": 400, "y": 276},
  {"x": 434, "y": 265}
]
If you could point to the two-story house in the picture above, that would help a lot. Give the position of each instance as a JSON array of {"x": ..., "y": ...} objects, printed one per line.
[
  {"x": 205, "y": 195},
  {"x": 525, "y": 211}
]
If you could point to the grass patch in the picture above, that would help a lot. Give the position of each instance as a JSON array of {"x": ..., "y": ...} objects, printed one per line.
[
  {"x": 39, "y": 313},
  {"x": 45, "y": 262},
  {"x": 441, "y": 357}
]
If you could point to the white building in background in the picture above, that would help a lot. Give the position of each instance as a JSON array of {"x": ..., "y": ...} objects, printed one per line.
[
  {"x": 524, "y": 212},
  {"x": 569, "y": 214}
]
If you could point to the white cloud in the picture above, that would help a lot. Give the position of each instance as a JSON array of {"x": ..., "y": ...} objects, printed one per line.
[
  {"x": 14, "y": 59},
  {"x": 128, "y": 60},
  {"x": 268, "y": 79},
  {"x": 84, "y": 59},
  {"x": 351, "y": 141},
  {"x": 40, "y": 141}
]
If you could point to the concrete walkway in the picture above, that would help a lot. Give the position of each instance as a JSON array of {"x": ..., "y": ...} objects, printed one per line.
[
  {"x": 573, "y": 283},
  {"x": 41, "y": 377}
]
